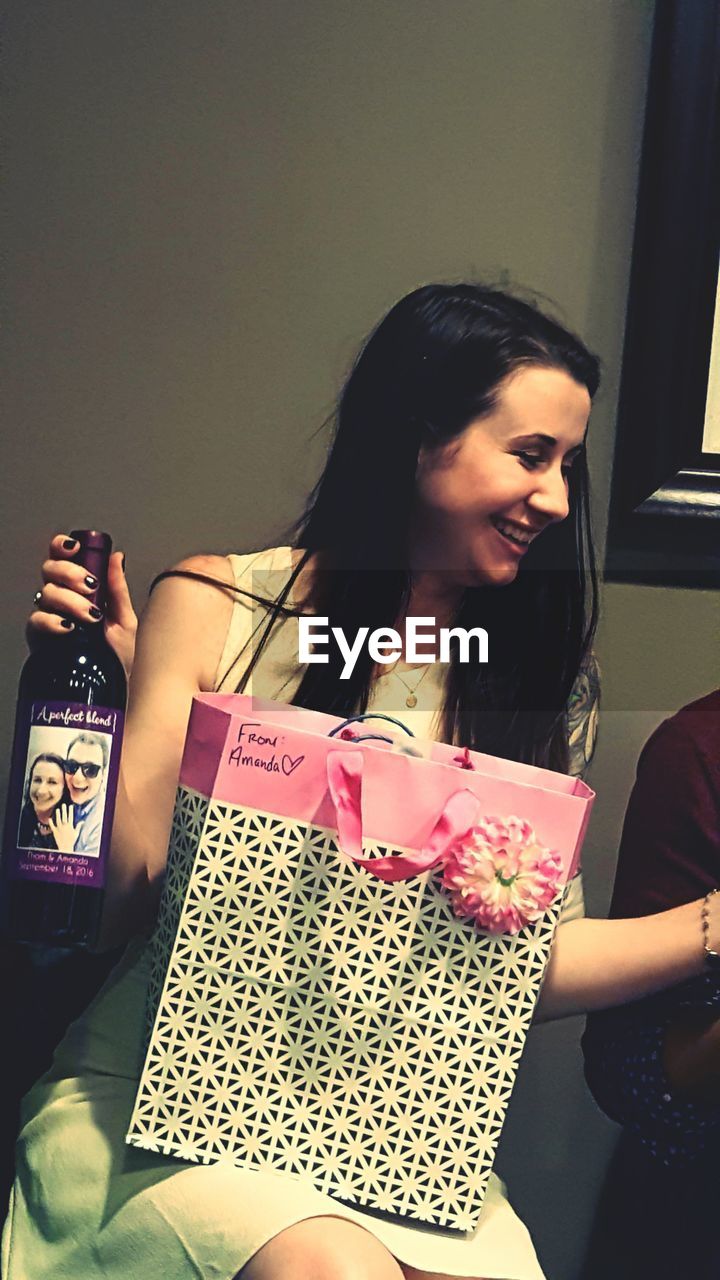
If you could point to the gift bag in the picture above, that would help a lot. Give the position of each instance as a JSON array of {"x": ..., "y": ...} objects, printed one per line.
[{"x": 350, "y": 946}]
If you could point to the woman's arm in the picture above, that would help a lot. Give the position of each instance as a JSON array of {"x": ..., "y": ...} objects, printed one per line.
[
  {"x": 179, "y": 644},
  {"x": 596, "y": 964}
]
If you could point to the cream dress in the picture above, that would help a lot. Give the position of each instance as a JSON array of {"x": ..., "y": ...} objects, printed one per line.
[{"x": 85, "y": 1205}]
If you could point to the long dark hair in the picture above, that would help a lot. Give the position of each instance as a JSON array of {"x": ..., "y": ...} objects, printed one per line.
[{"x": 435, "y": 363}]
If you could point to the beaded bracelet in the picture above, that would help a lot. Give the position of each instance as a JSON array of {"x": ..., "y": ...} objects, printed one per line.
[{"x": 712, "y": 958}]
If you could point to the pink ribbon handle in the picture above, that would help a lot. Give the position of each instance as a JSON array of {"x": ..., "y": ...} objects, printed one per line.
[{"x": 344, "y": 774}]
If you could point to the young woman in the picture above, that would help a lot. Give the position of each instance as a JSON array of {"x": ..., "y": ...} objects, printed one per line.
[
  {"x": 455, "y": 489},
  {"x": 46, "y": 791}
]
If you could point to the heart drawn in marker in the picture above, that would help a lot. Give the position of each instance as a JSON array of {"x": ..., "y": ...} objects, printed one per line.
[{"x": 289, "y": 765}]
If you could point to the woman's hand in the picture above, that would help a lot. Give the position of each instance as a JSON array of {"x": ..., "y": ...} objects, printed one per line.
[
  {"x": 63, "y": 828},
  {"x": 64, "y": 600}
]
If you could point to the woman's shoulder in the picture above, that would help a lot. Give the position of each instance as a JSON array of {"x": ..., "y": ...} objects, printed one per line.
[
  {"x": 185, "y": 620},
  {"x": 257, "y": 578},
  {"x": 229, "y": 569},
  {"x": 204, "y": 564},
  {"x": 205, "y": 603},
  {"x": 271, "y": 560}
]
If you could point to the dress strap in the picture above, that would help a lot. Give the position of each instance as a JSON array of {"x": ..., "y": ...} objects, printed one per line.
[{"x": 263, "y": 572}]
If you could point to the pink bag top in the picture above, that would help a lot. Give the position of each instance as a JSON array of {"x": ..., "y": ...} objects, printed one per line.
[{"x": 279, "y": 759}]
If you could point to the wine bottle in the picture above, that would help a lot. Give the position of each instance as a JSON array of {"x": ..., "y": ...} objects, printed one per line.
[{"x": 63, "y": 776}]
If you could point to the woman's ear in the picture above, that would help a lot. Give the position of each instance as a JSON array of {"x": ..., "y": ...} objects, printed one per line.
[
  {"x": 423, "y": 460},
  {"x": 435, "y": 454}
]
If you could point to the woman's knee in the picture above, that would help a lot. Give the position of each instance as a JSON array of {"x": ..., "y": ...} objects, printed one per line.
[{"x": 322, "y": 1249}]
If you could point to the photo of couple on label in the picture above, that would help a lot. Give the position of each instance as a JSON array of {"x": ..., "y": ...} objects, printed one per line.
[{"x": 64, "y": 796}]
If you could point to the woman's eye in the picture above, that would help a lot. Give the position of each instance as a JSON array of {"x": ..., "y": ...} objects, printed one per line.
[{"x": 530, "y": 460}]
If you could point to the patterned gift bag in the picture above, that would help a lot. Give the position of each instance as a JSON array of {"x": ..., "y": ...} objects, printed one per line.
[{"x": 321, "y": 1006}]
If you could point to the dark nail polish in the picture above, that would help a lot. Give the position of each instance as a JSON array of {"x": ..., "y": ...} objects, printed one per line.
[
  {"x": 90, "y": 582},
  {"x": 67, "y": 624},
  {"x": 95, "y": 613},
  {"x": 70, "y": 543}
]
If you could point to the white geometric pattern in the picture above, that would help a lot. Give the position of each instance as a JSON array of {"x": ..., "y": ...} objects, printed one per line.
[
  {"x": 187, "y": 828},
  {"x": 322, "y": 1023}
]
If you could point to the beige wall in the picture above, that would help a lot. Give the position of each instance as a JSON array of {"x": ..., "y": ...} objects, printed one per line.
[{"x": 208, "y": 203}]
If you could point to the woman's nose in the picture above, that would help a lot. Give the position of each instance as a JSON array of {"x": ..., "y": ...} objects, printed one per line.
[{"x": 551, "y": 495}]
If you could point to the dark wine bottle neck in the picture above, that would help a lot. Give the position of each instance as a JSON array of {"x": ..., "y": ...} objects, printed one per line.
[
  {"x": 92, "y": 633},
  {"x": 94, "y": 556}
]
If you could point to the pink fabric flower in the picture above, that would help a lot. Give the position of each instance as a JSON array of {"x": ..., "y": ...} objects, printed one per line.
[{"x": 500, "y": 876}]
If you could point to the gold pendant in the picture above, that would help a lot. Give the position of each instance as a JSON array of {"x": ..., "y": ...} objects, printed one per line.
[{"x": 411, "y": 700}]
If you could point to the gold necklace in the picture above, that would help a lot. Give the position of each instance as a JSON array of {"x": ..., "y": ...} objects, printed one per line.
[{"x": 411, "y": 700}]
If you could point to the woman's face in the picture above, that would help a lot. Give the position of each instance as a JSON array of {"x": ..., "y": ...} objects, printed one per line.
[
  {"x": 485, "y": 496},
  {"x": 46, "y": 786}
]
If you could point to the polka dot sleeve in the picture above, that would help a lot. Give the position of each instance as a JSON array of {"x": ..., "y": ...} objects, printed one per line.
[{"x": 624, "y": 1070}]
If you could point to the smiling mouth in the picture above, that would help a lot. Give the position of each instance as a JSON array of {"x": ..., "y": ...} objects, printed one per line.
[{"x": 518, "y": 538}]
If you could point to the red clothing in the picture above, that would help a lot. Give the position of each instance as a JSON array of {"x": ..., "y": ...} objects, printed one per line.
[
  {"x": 669, "y": 854},
  {"x": 670, "y": 848}
]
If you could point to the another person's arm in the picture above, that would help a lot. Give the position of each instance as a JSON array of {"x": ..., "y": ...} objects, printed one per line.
[{"x": 654, "y": 1066}]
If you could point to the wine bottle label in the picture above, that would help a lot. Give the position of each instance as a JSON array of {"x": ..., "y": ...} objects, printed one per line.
[{"x": 69, "y": 764}]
